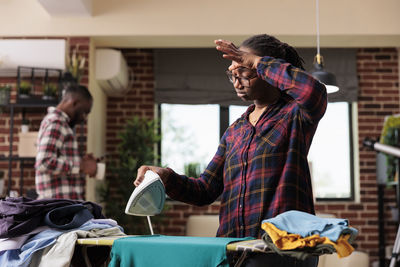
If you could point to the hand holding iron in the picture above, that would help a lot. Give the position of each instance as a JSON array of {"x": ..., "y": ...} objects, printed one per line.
[{"x": 162, "y": 172}]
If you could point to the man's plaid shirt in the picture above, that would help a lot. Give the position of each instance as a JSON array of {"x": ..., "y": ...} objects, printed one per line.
[
  {"x": 58, "y": 160},
  {"x": 261, "y": 171}
]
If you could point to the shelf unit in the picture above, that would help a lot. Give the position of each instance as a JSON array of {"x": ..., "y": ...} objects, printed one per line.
[
  {"x": 38, "y": 78},
  {"x": 11, "y": 157}
]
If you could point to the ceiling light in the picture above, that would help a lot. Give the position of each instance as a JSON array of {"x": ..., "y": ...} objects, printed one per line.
[{"x": 318, "y": 72}]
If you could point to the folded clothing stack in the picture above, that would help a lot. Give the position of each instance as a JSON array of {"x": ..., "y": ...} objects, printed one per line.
[
  {"x": 20, "y": 215},
  {"x": 43, "y": 232},
  {"x": 299, "y": 234}
]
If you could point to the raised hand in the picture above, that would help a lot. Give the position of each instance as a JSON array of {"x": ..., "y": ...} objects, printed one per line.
[{"x": 243, "y": 58}]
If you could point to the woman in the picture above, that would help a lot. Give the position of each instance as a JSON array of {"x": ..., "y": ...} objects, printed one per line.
[{"x": 260, "y": 168}]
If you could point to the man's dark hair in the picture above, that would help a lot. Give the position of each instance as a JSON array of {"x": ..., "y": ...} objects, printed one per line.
[
  {"x": 78, "y": 90},
  {"x": 266, "y": 45}
]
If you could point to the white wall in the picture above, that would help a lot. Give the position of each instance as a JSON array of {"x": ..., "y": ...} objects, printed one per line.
[
  {"x": 183, "y": 23},
  {"x": 96, "y": 124}
]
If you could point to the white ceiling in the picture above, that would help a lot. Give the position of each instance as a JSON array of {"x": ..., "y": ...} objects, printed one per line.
[
  {"x": 67, "y": 7},
  {"x": 183, "y": 23}
]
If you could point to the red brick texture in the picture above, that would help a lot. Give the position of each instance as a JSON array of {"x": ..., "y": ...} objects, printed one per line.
[
  {"x": 138, "y": 101},
  {"x": 378, "y": 75},
  {"x": 34, "y": 116}
]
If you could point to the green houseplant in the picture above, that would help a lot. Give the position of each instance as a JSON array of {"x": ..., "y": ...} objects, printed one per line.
[
  {"x": 5, "y": 90},
  {"x": 390, "y": 136},
  {"x": 192, "y": 169},
  {"x": 135, "y": 149},
  {"x": 24, "y": 89},
  {"x": 50, "y": 91},
  {"x": 76, "y": 64}
]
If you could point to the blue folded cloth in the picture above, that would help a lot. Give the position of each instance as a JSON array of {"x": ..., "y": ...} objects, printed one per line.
[
  {"x": 305, "y": 224},
  {"x": 22, "y": 257}
]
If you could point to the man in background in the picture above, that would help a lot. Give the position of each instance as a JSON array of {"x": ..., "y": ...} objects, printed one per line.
[{"x": 60, "y": 170}]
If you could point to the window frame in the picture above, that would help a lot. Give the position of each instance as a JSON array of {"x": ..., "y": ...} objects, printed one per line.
[
  {"x": 224, "y": 124},
  {"x": 352, "y": 169}
]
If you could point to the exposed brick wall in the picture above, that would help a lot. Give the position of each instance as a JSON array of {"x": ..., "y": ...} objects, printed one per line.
[
  {"x": 176, "y": 215},
  {"x": 138, "y": 101},
  {"x": 378, "y": 97},
  {"x": 35, "y": 116}
]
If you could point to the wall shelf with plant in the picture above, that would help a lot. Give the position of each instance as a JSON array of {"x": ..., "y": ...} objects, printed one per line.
[
  {"x": 51, "y": 91},
  {"x": 38, "y": 85}
]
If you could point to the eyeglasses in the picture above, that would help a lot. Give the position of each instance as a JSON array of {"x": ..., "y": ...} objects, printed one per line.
[{"x": 243, "y": 80}]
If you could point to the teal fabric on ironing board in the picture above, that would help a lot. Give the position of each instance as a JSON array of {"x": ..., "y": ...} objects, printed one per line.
[{"x": 170, "y": 251}]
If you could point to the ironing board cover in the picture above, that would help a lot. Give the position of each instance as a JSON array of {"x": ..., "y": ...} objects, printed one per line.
[{"x": 170, "y": 251}]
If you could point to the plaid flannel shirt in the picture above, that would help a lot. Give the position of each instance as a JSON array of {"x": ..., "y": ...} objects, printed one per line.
[
  {"x": 58, "y": 161},
  {"x": 261, "y": 171}
]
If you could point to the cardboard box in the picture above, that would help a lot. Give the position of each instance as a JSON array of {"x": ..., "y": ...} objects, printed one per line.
[{"x": 27, "y": 144}]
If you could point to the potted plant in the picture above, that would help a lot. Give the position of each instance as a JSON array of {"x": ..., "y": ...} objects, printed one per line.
[
  {"x": 50, "y": 91},
  {"x": 192, "y": 169},
  {"x": 4, "y": 94},
  {"x": 390, "y": 136},
  {"x": 24, "y": 89},
  {"x": 24, "y": 125},
  {"x": 136, "y": 149},
  {"x": 76, "y": 65}
]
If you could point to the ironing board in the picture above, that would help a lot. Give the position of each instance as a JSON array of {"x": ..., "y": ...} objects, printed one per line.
[
  {"x": 255, "y": 245},
  {"x": 147, "y": 200}
]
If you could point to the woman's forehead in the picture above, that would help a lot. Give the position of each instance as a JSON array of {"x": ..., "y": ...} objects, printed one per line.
[{"x": 244, "y": 49}]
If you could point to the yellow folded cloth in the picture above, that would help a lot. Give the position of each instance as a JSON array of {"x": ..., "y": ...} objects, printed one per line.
[{"x": 285, "y": 241}]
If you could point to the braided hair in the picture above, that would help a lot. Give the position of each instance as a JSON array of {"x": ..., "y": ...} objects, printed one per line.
[{"x": 267, "y": 45}]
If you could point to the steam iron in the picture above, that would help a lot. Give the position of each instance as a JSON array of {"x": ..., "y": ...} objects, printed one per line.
[{"x": 148, "y": 198}]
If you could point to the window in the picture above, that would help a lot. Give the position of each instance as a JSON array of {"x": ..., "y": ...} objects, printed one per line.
[
  {"x": 235, "y": 112},
  {"x": 191, "y": 133},
  {"x": 330, "y": 155}
]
